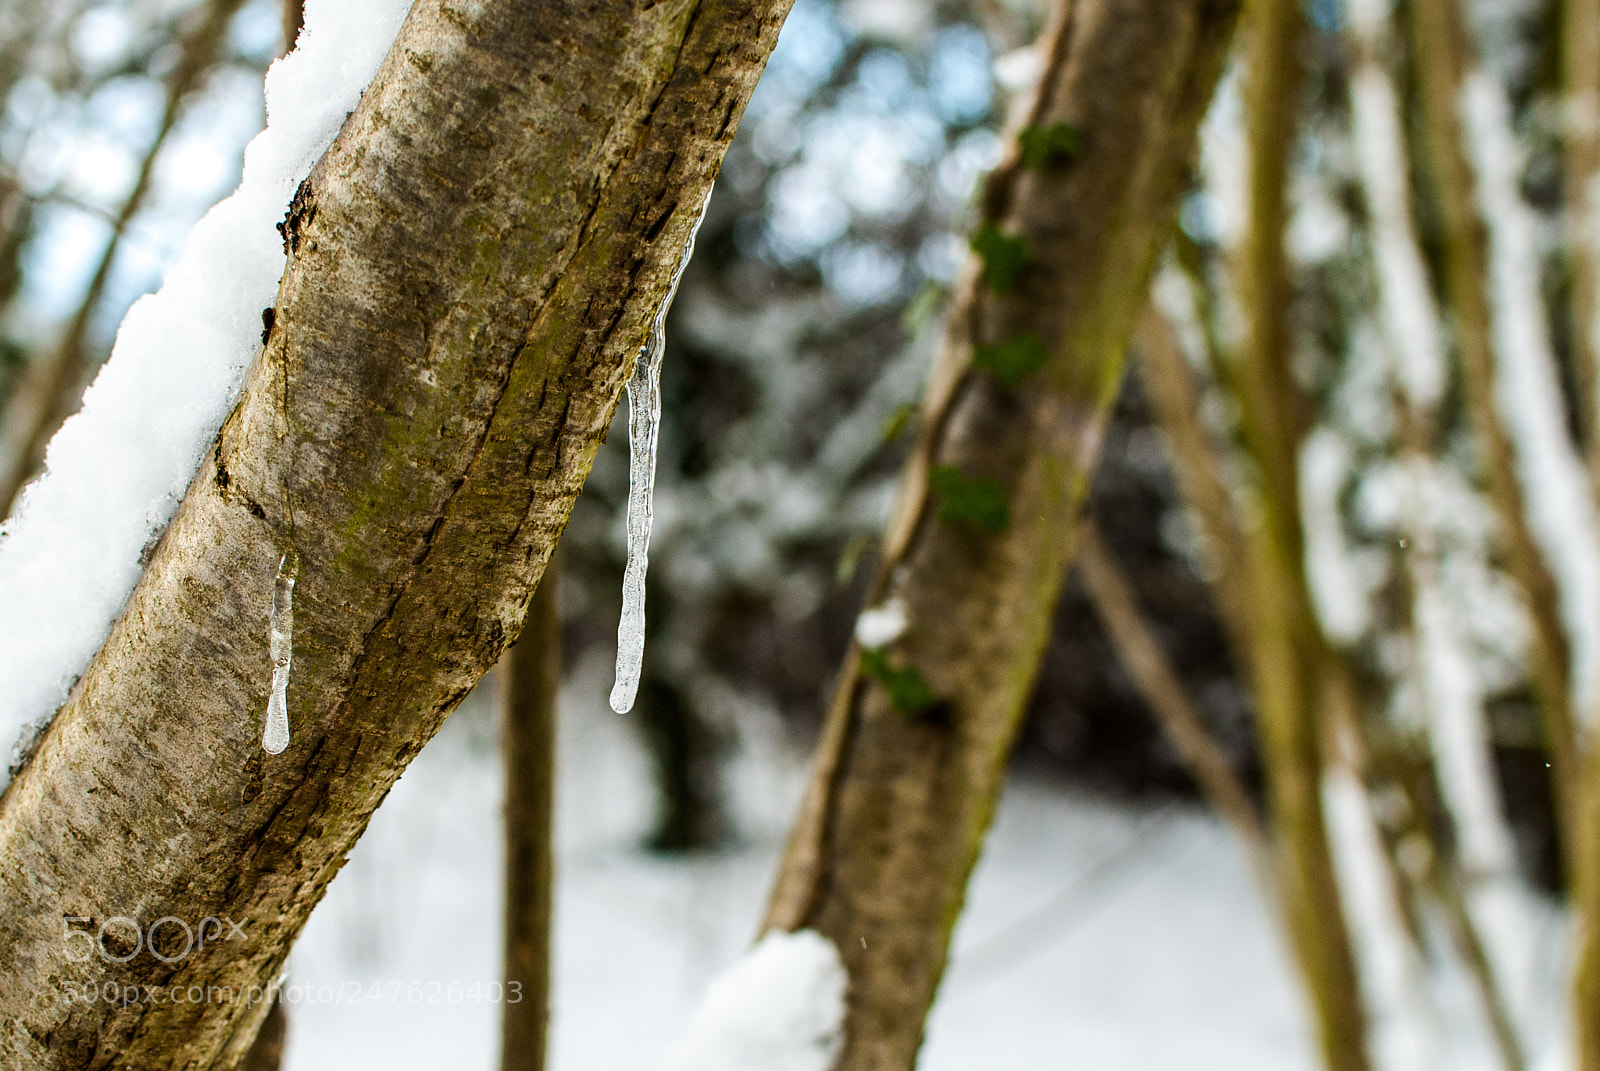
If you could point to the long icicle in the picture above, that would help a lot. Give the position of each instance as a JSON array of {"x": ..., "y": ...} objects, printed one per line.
[
  {"x": 644, "y": 426},
  {"x": 275, "y": 733}
]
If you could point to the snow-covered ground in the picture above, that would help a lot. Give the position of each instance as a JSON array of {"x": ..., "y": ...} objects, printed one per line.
[{"x": 1097, "y": 935}]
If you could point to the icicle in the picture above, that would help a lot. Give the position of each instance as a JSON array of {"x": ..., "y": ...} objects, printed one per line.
[
  {"x": 644, "y": 424},
  {"x": 275, "y": 734}
]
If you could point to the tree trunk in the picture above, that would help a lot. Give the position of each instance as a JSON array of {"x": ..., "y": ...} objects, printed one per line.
[
  {"x": 1580, "y": 62},
  {"x": 1141, "y": 654},
  {"x": 1442, "y": 59},
  {"x": 266, "y": 1054},
  {"x": 915, "y": 748},
  {"x": 530, "y": 680},
  {"x": 1292, "y": 665},
  {"x": 475, "y": 263}
]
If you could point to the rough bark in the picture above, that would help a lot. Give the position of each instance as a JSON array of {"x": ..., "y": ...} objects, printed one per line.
[
  {"x": 907, "y": 777},
  {"x": 530, "y": 679},
  {"x": 475, "y": 263}
]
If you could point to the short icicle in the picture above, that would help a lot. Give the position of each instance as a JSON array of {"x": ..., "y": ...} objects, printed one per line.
[
  {"x": 644, "y": 425},
  {"x": 275, "y": 733}
]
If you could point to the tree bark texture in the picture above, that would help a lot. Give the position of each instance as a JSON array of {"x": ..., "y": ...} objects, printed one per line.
[
  {"x": 530, "y": 680},
  {"x": 915, "y": 747},
  {"x": 474, "y": 265}
]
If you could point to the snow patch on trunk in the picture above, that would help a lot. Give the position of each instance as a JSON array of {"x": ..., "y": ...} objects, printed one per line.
[
  {"x": 779, "y": 1008},
  {"x": 1404, "y": 1025},
  {"x": 114, "y": 474},
  {"x": 881, "y": 625}
]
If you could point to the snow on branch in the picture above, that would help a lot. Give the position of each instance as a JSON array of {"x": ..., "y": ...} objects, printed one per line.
[
  {"x": 1561, "y": 512},
  {"x": 114, "y": 474}
]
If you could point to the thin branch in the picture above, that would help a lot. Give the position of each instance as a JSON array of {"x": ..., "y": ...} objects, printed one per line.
[
  {"x": 1156, "y": 680},
  {"x": 49, "y": 393}
]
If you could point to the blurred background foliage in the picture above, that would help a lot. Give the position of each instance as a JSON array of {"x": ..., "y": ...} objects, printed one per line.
[{"x": 797, "y": 350}]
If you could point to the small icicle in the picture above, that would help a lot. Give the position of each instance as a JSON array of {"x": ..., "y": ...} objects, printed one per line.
[
  {"x": 275, "y": 734},
  {"x": 644, "y": 425}
]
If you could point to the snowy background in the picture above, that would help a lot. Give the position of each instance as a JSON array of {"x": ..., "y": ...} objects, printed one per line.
[
  {"x": 1096, "y": 936},
  {"x": 1112, "y": 923}
]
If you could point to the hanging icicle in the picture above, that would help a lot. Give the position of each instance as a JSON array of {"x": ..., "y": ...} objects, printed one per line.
[
  {"x": 644, "y": 425},
  {"x": 275, "y": 733}
]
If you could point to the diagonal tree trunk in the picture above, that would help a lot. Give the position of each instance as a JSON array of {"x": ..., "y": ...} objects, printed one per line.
[
  {"x": 475, "y": 263},
  {"x": 915, "y": 748}
]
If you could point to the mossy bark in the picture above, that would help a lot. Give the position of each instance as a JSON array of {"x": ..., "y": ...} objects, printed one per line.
[
  {"x": 474, "y": 265},
  {"x": 900, "y": 799}
]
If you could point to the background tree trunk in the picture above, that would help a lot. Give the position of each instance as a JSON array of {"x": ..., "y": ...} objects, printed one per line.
[
  {"x": 907, "y": 777},
  {"x": 530, "y": 681},
  {"x": 50, "y": 391},
  {"x": 1294, "y": 670},
  {"x": 474, "y": 265}
]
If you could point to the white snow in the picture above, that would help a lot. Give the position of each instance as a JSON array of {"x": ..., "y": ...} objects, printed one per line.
[
  {"x": 1561, "y": 511},
  {"x": 1393, "y": 976},
  {"x": 1019, "y": 69},
  {"x": 1224, "y": 165},
  {"x": 70, "y": 554},
  {"x": 1406, "y": 307},
  {"x": 644, "y": 429},
  {"x": 1131, "y": 938},
  {"x": 779, "y": 1008},
  {"x": 1341, "y": 578},
  {"x": 881, "y": 625},
  {"x": 275, "y": 727}
]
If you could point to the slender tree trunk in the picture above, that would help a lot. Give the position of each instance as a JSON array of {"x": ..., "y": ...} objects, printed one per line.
[
  {"x": 915, "y": 748},
  {"x": 50, "y": 391},
  {"x": 1443, "y": 62},
  {"x": 1580, "y": 62},
  {"x": 530, "y": 680},
  {"x": 1289, "y": 656},
  {"x": 294, "y": 17},
  {"x": 475, "y": 263},
  {"x": 1156, "y": 680},
  {"x": 1442, "y": 51}
]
